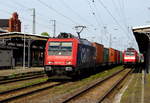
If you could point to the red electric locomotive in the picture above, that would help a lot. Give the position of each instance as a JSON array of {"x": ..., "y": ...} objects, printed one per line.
[
  {"x": 130, "y": 57},
  {"x": 68, "y": 56}
]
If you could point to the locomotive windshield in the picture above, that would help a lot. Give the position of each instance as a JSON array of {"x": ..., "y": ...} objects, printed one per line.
[
  {"x": 60, "y": 48},
  {"x": 129, "y": 53}
]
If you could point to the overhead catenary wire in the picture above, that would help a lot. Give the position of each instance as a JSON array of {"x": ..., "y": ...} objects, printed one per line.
[
  {"x": 93, "y": 13},
  {"x": 77, "y": 14},
  {"x": 122, "y": 9},
  {"x": 126, "y": 32},
  {"x": 116, "y": 8},
  {"x": 39, "y": 15},
  {"x": 101, "y": 20},
  {"x": 99, "y": 15},
  {"x": 21, "y": 17},
  {"x": 95, "y": 16},
  {"x": 120, "y": 12},
  {"x": 59, "y": 13}
]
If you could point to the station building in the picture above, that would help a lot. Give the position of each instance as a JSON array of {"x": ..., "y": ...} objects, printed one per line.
[
  {"x": 20, "y": 48},
  {"x": 17, "y": 48}
]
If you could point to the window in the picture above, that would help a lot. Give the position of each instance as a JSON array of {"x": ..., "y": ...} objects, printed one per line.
[
  {"x": 129, "y": 53},
  {"x": 60, "y": 48}
]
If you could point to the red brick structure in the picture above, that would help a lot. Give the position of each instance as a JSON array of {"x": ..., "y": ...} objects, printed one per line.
[{"x": 12, "y": 25}]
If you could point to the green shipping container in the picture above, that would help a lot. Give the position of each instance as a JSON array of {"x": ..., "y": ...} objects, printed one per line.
[
  {"x": 106, "y": 55},
  {"x": 121, "y": 57}
]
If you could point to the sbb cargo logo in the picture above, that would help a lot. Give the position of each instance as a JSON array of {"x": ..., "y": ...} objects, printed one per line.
[{"x": 84, "y": 55}]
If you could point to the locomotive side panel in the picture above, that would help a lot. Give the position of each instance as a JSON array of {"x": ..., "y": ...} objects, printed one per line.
[{"x": 85, "y": 56}]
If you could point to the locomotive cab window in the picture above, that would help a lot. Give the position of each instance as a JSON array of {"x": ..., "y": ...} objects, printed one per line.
[
  {"x": 60, "y": 48},
  {"x": 129, "y": 53}
]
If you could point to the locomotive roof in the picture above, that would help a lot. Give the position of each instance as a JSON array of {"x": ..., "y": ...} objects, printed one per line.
[
  {"x": 85, "y": 41},
  {"x": 69, "y": 36},
  {"x": 81, "y": 40}
]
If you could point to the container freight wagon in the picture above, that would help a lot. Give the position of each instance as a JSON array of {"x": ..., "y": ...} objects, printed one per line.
[
  {"x": 106, "y": 56},
  {"x": 99, "y": 53},
  {"x": 68, "y": 56},
  {"x": 112, "y": 54},
  {"x": 118, "y": 57},
  {"x": 121, "y": 57}
]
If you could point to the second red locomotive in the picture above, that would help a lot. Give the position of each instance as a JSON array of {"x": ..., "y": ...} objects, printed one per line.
[{"x": 130, "y": 57}]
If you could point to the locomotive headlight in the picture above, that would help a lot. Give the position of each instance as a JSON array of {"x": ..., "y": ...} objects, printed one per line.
[
  {"x": 48, "y": 68},
  {"x": 68, "y": 62},
  {"x": 50, "y": 62},
  {"x": 68, "y": 68}
]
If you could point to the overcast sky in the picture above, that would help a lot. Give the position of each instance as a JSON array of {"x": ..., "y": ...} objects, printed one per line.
[{"x": 104, "y": 19}]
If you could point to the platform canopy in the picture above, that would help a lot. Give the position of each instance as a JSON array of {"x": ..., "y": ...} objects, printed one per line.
[
  {"x": 142, "y": 35},
  {"x": 22, "y": 35}
]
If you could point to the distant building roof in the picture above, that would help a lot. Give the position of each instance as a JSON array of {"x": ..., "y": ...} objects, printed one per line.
[
  {"x": 141, "y": 27},
  {"x": 4, "y": 23},
  {"x": 3, "y": 31}
]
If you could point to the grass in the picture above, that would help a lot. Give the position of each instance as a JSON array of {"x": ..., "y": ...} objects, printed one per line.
[
  {"x": 9, "y": 87},
  {"x": 20, "y": 75}
]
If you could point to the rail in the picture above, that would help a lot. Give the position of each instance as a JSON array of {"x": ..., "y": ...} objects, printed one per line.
[{"x": 87, "y": 88}]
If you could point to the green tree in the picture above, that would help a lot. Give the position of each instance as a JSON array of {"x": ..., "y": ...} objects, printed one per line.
[{"x": 45, "y": 34}]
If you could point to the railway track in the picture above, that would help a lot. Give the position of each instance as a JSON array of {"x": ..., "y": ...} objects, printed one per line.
[
  {"x": 97, "y": 91},
  {"x": 13, "y": 94},
  {"x": 22, "y": 78}
]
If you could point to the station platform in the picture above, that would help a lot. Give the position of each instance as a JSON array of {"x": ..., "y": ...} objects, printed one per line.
[
  {"x": 137, "y": 90},
  {"x": 19, "y": 70}
]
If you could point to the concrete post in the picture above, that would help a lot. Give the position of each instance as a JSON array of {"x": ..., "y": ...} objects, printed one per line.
[
  {"x": 148, "y": 58},
  {"x": 29, "y": 52}
]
